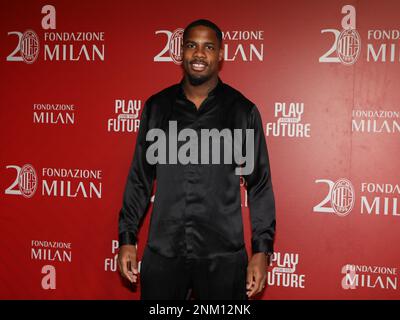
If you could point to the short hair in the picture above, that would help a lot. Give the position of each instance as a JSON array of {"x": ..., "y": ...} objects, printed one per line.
[{"x": 206, "y": 23}]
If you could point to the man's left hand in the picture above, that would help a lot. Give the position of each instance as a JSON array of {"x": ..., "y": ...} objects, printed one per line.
[{"x": 256, "y": 273}]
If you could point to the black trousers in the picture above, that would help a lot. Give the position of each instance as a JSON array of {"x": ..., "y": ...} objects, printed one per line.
[{"x": 222, "y": 277}]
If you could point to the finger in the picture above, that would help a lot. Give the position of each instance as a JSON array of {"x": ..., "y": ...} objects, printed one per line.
[
  {"x": 251, "y": 288},
  {"x": 125, "y": 273},
  {"x": 249, "y": 279},
  {"x": 120, "y": 264},
  {"x": 262, "y": 284},
  {"x": 132, "y": 277},
  {"x": 251, "y": 292},
  {"x": 256, "y": 283},
  {"x": 133, "y": 265},
  {"x": 259, "y": 280},
  {"x": 132, "y": 270}
]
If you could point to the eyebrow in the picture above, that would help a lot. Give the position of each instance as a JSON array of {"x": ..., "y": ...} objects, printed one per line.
[{"x": 208, "y": 42}]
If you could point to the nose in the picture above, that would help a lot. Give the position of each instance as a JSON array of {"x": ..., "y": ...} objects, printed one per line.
[{"x": 199, "y": 52}]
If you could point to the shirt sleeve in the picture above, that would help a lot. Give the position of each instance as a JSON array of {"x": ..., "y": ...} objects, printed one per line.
[
  {"x": 260, "y": 191},
  {"x": 138, "y": 187}
]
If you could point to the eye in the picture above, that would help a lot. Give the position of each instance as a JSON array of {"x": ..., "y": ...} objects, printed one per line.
[
  {"x": 210, "y": 47},
  {"x": 189, "y": 45}
]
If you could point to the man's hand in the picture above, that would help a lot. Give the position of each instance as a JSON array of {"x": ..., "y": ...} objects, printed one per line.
[
  {"x": 127, "y": 262},
  {"x": 256, "y": 274}
]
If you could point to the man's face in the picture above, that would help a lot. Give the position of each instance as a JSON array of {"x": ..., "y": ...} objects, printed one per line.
[{"x": 201, "y": 54}]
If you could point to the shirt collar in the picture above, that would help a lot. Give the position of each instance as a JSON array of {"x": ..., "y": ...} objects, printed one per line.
[{"x": 213, "y": 92}]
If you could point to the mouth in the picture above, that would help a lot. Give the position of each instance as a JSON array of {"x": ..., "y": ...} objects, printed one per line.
[{"x": 198, "y": 65}]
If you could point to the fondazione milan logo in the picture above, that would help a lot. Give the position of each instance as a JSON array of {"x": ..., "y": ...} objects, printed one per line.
[
  {"x": 348, "y": 46},
  {"x": 27, "y": 181},
  {"x": 175, "y": 46},
  {"x": 56, "y": 46},
  {"x": 339, "y": 199},
  {"x": 172, "y": 50},
  {"x": 29, "y": 46},
  {"x": 342, "y": 198}
]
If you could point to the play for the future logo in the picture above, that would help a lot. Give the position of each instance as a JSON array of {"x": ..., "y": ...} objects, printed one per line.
[
  {"x": 284, "y": 271},
  {"x": 111, "y": 263},
  {"x": 126, "y": 116},
  {"x": 288, "y": 121}
]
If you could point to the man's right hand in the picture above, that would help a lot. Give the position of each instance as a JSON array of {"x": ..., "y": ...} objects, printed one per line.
[{"x": 127, "y": 262}]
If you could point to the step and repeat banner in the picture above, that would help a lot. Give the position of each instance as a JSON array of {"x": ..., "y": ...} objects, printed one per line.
[{"x": 325, "y": 76}]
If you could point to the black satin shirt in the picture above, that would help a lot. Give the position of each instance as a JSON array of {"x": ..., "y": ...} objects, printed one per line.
[{"x": 197, "y": 207}]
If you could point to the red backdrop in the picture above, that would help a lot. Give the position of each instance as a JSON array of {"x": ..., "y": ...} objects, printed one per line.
[{"x": 324, "y": 74}]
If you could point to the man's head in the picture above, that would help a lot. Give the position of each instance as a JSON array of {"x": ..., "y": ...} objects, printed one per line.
[{"x": 202, "y": 51}]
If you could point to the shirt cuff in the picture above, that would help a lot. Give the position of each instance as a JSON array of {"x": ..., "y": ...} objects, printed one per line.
[
  {"x": 262, "y": 245},
  {"x": 127, "y": 238}
]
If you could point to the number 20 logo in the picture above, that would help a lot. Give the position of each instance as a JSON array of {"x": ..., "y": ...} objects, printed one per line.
[
  {"x": 340, "y": 195},
  {"x": 27, "y": 46},
  {"x": 26, "y": 181},
  {"x": 173, "y": 47},
  {"x": 347, "y": 43}
]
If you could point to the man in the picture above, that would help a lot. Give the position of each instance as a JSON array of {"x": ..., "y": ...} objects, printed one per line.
[{"x": 196, "y": 241}]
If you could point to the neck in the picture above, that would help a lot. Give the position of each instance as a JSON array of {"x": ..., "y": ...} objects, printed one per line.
[{"x": 200, "y": 91}]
